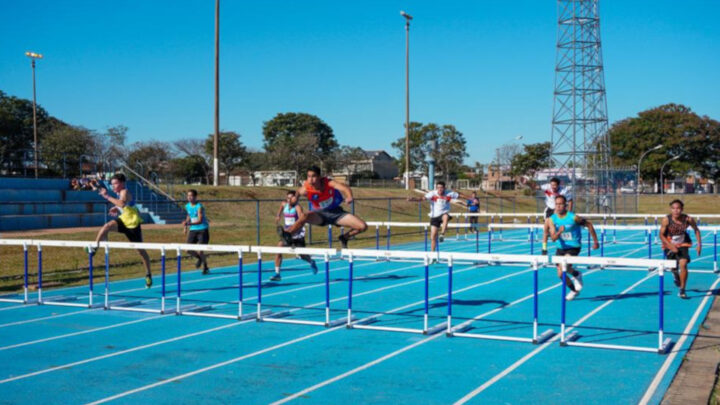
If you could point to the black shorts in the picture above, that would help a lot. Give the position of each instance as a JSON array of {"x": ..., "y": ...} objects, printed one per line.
[
  {"x": 568, "y": 251},
  {"x": 473, "y": 220},
  {"x": 682, "y": 253},
  {"x": 330, "y": 216},
  {"x": 133, "y": 235},
  {"x": 549, "y": 212},
  {"x": 299, "y": 242},
  {"x": 200, "y": 237},
  {"x": 437, "y": 221}
]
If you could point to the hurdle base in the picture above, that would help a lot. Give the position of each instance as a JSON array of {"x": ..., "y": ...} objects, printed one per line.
[
  {"x": 271, "y": 317},
  {"x": 361, "y": 322},
  {"x": 388, "y": 329},
  {"x": 459, "y": 329},
  {"x": 338, "y": 322},
  {"x": 544, "y": 337},
  {"x": 569, "y": 338},
  {"x": 436, "y": 329},
  {"x": 666, "y": 345},
  {"x": 613, "y": 347}
]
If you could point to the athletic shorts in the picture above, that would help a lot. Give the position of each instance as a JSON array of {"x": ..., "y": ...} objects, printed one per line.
[
  {"x": 473, "y": 220},
  {"x": 437, "y": 221},
  {"x": 549, "y": 212},
  {"x": 568, "y": 252},
  {"x": 133, "y": 235},
  {"x": 299, "y": 242},
  {"x": 200, "y": 237},
  {"x": 330, "y": 216},
  {"x": 682, "y": 253}
]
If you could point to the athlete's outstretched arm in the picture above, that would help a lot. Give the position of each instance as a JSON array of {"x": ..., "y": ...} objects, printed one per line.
[
  {"x": 277, "y": 216},
  {"x": 591, "y": 229},
  {"x": 554, "y": 234},
  {"x": 343, "y": 189}
]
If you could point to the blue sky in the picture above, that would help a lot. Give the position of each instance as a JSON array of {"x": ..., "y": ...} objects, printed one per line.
[{"x": 486, "y": 67}]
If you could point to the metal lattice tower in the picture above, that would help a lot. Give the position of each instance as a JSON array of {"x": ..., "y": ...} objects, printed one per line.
[{"x": 580, "y": 123}]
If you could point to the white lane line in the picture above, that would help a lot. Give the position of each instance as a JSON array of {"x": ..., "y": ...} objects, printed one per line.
[
  {"x": 84, "y": 332},
  {"x": 671, "y": 357},
  {"x": 544, "y": 346},
  {"x": 238, "y": 323},
  {"x": 237, "y": 359}
]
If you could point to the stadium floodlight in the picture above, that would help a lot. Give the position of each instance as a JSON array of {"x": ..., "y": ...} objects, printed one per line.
[
  {"x": 33, "y": 56},
  {"x": 406, "y": 177}
]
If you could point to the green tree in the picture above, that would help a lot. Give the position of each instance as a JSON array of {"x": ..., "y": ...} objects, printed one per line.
[
  {"x": 231, "y": 151},
  {"x": 348, "y": 158},
  {"x": 65, "y": 148},
  {"x": 16, "y": 128},
  {"x": 417, "y": 144},
  {"x": 450, "y": 150},
  {"x": 190, "y": 168},
  {"x": 682, "y": 132},
  {"x": 534, "y": 158},
  {"x": 147, "y": 157},
  {"x": 286, "y": 133}
]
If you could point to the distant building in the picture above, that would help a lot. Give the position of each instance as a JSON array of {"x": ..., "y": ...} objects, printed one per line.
[
  {"x": 497, "y": 178},
  {"x": 378, "y": 162}
]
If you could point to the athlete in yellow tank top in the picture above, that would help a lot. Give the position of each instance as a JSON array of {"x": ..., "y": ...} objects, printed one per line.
[{"x": 127, "y": 220}]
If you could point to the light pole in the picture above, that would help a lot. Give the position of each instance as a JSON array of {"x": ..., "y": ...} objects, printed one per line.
[
  {"x": 217, "y": 94},
  {"x": 637, "y": 190},
  {"x": 33, "y": 56},
  {"x": 407, "y": 17},
  {"x": 662, "y": 170}
]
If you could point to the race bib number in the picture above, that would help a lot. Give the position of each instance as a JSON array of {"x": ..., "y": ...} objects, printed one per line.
[
  {"x": 289, "y": 221},
  {"x": 566, "y": 236},
  {"x": 326, "y": 203}
]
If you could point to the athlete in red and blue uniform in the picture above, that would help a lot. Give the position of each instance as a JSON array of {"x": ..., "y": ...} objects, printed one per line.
[{"x": 325, "y": 197}]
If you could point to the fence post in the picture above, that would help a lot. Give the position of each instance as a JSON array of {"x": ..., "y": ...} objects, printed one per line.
[{"x": 389, "y": 209}]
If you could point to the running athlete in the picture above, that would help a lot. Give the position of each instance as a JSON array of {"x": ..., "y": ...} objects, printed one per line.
[
  {"x": 199, "y": 232},
  {"x": 289, "y": 213},
  {"x": 439, "y": 211},
  {"x": 552, "y": 190},
  {"x": 325, "y": 196},
  {"x": 676, "y": 242},
  {"x": 473, "y": 205},
  {"x": 127, "y": 220},
  {"x": 565, "y": 231}
]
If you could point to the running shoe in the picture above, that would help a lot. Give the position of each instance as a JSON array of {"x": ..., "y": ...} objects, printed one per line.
[
  {"x": 206, "y": 270},
  {"x": 343, "y": 240},
  {"x": 314, "y": 267},
  {"x": 571, "y": 295},
  {"x": 441, "y": 238},
  {"x": 544, "y": 252},
  {"x": 276, "y": 277},
  {"x": 148, "y": 281},
  {"x": 578, "y": 282},
  {"x": 682, "y": 294}
]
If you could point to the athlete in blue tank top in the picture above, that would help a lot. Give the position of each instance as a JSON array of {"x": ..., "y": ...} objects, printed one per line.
[
  {"x": 199, "y": 229},
  {"x": 566, "y": 231}
]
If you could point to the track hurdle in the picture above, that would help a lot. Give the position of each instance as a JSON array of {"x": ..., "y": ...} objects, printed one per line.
[
  {"x": 571, "y": 339},
  {"x": 14, "y": 298},
  {"x": 284, "y": 316},
  {"x": 461, "y": 330},
  {"x": 423, "y": 257}
]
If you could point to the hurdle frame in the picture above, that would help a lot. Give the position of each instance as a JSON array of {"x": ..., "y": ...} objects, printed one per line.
[
  {"x": 571, "y": 339},
  {"x": 283, "y": 316},
  {"x": 535, "y": 262},
  {"x": 25, "y": 294}
]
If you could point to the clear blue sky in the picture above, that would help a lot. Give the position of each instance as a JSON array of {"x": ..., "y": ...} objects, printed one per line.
[{"x": 484, "y": 66}]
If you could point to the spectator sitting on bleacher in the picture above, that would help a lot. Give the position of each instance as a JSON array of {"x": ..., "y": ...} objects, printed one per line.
[{"x": 75, "y": 184}]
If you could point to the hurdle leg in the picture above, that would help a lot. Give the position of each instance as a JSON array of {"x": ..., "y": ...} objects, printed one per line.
[
  {"x": 259, "y": 286},
  {"x": 563, "y": 291},
  {"x": 427, "y": 288},
  {"x": 25, "y": 273},
  {"x": 240, "y": 284},
  {"x": 107, "y": 278},
  {"x": 350, "y": 291},
  {"x": 449, "y": 295},
  {"x": 388, "y": 237},
  {"x": 163, "y": 263},
  {"x": 39, "y": 259},
  {"x": 663, "y": 344},
  {"x": 179, "y": 282},
  {"x": 715, "y": 251},
  {"x": 327, "y": 290}
]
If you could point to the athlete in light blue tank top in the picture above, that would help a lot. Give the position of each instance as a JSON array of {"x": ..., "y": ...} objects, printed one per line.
[
  {"x": 290, "y": 212},
  {"x": 565, "y": 229}
]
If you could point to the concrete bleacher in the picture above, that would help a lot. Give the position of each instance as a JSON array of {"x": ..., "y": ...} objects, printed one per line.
[{"x": 27, "y": 204}]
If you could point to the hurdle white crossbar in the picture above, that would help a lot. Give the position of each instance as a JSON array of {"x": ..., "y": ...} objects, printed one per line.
[
  {"x": 424, "y": 257},
  {"x": 284, "y": 316},
  {"x": 11, "y": 297},
  {"x": 659, "y": 265}
]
